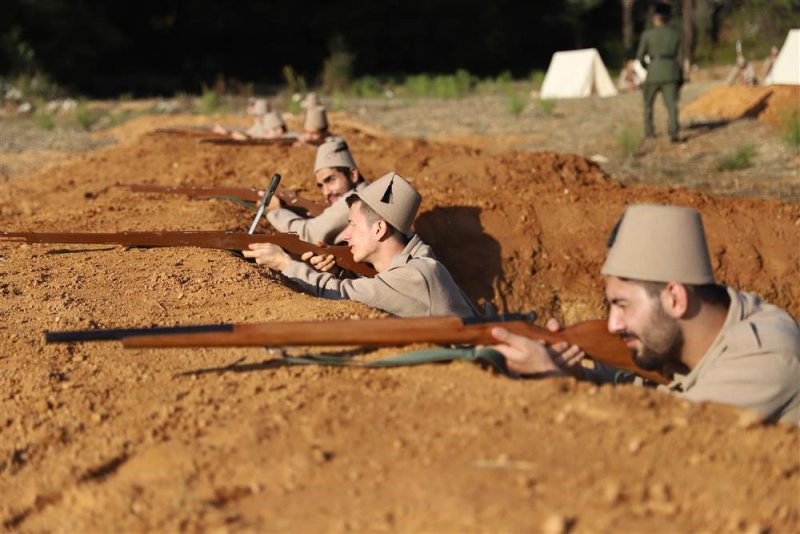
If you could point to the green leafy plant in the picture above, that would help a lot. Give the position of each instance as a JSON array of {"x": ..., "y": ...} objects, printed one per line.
[
  {"x": 85, "y": 115},
  {"x": 546, "y": 106},
  {"x": 45, "y": 120},
  {"x": 337, "y": 68},
  {"x": 209, "y": 101},
  {"x": 445, "y": 86},
  {"x": 790, "y": 130},
  {"x": 628, "y": 140},
  {"x": 741, "y": 158},
  {"x": 537, "y": 79},
  {"x": 516, "y": 103}
]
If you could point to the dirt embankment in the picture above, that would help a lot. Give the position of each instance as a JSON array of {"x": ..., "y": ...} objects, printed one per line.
[{"x": 96, "y": 438}]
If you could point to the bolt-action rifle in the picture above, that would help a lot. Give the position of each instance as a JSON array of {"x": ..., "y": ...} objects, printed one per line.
[
  {"x": 591, "y": 336},
  {"x": 291, "y": 199},
  {"x": 221, "y": 240}
]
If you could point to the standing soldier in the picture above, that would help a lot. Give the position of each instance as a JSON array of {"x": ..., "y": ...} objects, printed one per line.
[{"x": 662, "y": 44}]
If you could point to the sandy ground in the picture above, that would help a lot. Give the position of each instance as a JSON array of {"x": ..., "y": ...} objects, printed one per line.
[{"x": 94, "y": 438}]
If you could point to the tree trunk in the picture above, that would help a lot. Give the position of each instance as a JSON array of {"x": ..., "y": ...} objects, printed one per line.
[{"x": 627, "y": 27}]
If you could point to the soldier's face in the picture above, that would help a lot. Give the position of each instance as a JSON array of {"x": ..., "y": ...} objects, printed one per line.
[
  {"x": 360, "y": 235},
  {"x": 314, "y": 136},
  {"x": 653, "y": 336},
  {"x": 333, "y": 183}
]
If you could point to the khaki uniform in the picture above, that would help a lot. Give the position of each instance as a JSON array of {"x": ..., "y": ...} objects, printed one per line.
[
  {"x": 754, "y": 363},
  {"x": 416, "y": 285},
  {"x": 327, "y": 227},
  {"x": 663, "y": 46}
]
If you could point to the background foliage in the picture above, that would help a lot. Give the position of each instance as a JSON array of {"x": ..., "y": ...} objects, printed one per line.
[{"x": 102, "y": 48}]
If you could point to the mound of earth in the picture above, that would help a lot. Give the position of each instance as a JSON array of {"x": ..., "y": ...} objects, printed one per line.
[
  {"x": 781, "y": 104},
  {"x": 726, "y": 103},
  {"x": 97, "y": 438}
]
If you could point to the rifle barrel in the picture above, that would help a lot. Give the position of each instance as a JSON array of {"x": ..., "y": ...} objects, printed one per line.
[{"x": 219, "y": 240}]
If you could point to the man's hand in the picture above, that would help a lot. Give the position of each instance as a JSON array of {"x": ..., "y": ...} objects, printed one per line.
[
  {"x": 219, "y": 129},
  {"x": 321, "y": 262},
  {"x": 268, "y": 254},
  {"x": 526, "y": 356},
  {"x": 239, "y": 136}
]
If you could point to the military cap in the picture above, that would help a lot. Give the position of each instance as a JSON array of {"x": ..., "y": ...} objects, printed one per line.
[
  {"x": 316, "y": 118},
  {"x": 334, "y": 154},
  {"x": 655, "y": 243},
  {"x": 393, "y": 198}
]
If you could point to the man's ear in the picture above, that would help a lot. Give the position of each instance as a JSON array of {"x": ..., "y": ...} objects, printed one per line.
[
  {"x": 355, "y": 176},
  {"x": 381, "y": 229},
  {"x": 675, "y": 299}
]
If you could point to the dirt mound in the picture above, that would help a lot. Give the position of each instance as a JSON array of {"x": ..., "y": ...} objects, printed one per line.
[
  {"x": 782, "y": 103},
  {"x": 98, "y": 438},
  {"x": 726, "y": 103}
]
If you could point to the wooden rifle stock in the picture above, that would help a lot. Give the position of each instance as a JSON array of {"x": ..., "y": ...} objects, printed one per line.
[
  {"x": 592, "y": 336},
  {"x": 291, "y": 199},
  {"x": 201, "y": 132},
  {"x": 277, "y": 141},
  {"x": 220, "y": 240}
]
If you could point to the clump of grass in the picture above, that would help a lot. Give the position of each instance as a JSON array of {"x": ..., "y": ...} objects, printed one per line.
[
  {"x": 295, "y": 83},
  {"x": 209, "y": 100},
  {"x": 790, "y": 130},
  {"x": 45, "y": 120},
  {"x": 337, "y": 68},
  {"x": 516, "y": 103},
  {"x": 546, "y": 106},
  {"x": 740, "y": 159},
  {"x": 628, "y": 140},
  {"x": 537, "y": 79},
  {"x": 85, "y": 115},
  {"x": 366, "y": 87},
  {"x": 445, "y": 86}
]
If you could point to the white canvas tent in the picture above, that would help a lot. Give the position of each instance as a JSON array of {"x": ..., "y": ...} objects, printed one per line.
[
  {"x": 786, "y": 69},
  {"x": 577, "y": 74}
]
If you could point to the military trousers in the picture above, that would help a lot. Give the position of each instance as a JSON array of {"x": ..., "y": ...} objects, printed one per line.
[{"x": 669, "y": 92}]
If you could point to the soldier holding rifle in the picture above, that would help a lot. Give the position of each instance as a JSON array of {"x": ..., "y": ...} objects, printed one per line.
[
  {"x": 410, "y": 282},
  {"x": 718, "y": 344},
  {"x": 336, "y": 175}
]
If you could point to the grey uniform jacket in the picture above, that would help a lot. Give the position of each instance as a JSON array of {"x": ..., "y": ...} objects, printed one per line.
[
  {"x": 753, "y": 363},
  {"x": 327, "y": 227},
  {"x": 416, "y": 285}
]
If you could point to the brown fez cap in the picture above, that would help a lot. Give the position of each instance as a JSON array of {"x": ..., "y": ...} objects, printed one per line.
[
  {"x": 393, "y": 198},
  {"x": 659, "y": 244}
]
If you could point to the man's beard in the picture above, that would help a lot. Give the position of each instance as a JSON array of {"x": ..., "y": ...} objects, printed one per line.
[{"x": 662, "y": 342}]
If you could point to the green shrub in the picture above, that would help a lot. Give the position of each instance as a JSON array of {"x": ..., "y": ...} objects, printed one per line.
[
  {"x": 293, "y": 106},
  {"x": 628, "y": 139},
  {"x": 366, "y": 87},
  {"x": 45, "y": 120},
  {"x": 516, "y": 103},
  {"x": 295, "y": 83},
  {"x": 537, "y": 79},
  {"x": 546, "y": 106},
  {"x": 441, "y": 86},
  {"x": 790, "y": 130},
  {"x": 337, "y": 68},
  {"x": 85, "y": 116},
  {"x": 742, "y": 158},
  {"x": 209, "y": 101}
]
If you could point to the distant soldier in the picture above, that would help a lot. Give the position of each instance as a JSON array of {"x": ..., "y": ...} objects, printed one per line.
[
  {"x": 336, "y": 175},
  {"x": 410, "y": 282},
  {"x": 315, "y": 128},
  {"x": 769, "y": 62},
  {"x": 257, "y": 108},
  {"x": 662, "y": 46},
  {"x": 717, "y": 344},
  {"x": 743, "y": 73}
]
